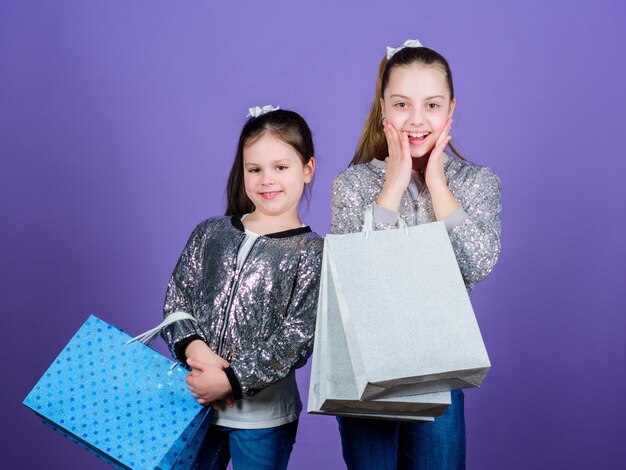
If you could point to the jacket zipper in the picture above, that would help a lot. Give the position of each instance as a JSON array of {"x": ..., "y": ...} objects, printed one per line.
[
  {"x": 413, "y": 201},
  {"x": 233, "y": 290}
]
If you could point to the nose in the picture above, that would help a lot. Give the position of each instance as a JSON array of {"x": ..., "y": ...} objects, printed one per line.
[
  {"x": 267, "y": 179},
  {"x": 417, "y": 118}
]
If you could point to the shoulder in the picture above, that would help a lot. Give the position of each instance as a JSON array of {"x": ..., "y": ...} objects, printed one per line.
[
  {"x": 356, "y": 173},
  {"x": 361, "y": 179},
  {"x": 211, "y": 225},
  {"x": 308, "y": 245},
  {"x": 314, "y": 251},
  {"x": 305, "y": 249},
  {"x": 313, "y": 242}
]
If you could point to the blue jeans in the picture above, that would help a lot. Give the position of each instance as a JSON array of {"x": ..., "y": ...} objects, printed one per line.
[
  {"x": 258, "y": 449},
  {"x": 390, "y": 445}
]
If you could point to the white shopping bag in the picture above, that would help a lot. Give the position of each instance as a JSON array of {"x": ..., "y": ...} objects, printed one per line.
[
  {"x": 407, "y": 320},
  {"x": 333, "y": 386}
]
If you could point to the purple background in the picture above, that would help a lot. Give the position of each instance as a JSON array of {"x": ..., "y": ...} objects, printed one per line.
[{"x": 119, "y": 120}]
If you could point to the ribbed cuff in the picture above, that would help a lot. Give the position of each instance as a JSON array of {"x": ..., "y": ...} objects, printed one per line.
[
  {"x": 179, "y": 348},
  {"x": 455, "y": 219},
  {"x": 234, "y": 383},
  {"x": 384, "y": 215}
]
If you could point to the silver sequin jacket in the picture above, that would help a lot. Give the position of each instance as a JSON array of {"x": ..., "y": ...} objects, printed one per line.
[
  {"x": 261, "y": 318},
  {"x": 475, "y": 234}
]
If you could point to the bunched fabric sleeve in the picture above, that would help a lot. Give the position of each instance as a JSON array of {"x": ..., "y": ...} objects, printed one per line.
[
  {"x": 290, "y": 346},
  {"x": 476, "y": 241},
  {"x": 181, "y": 292}
]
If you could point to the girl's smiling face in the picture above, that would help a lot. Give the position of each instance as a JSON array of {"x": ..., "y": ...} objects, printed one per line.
[
  {"x": 274, "y": 176},
  {"x": 417, "y": 103}
]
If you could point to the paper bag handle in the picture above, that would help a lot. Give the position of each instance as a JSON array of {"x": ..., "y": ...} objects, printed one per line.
[
  {"x": 149, "y": 336},
  {"x": 368, "y": 224}
]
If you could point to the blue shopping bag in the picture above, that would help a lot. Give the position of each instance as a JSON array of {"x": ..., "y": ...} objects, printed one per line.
[{"x": 126, "y": 403}]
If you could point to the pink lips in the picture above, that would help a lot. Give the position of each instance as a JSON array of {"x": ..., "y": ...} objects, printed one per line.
[
  {"x": 417, "y": 141},
  {"x": 270, "y": 195}
]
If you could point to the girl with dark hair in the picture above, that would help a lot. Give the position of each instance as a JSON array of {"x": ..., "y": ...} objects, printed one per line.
[
  {"x": 401, "y": 169},
  {"x": 251, "y": 278}
]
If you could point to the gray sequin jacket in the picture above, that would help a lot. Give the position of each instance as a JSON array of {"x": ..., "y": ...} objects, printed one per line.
[
  {"x": 474, "y": 229},
  {"x": 260, "y": 318}
]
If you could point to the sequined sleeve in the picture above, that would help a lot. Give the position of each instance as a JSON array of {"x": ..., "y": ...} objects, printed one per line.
[
  {"x": 476, "y": 241},
  {"x": 181, "y": 292},
  {"x": 290, "y": 346},
  {"x": 351, "y": 196}
]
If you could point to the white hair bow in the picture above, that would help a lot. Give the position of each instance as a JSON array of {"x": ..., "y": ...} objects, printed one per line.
[
  {"x": 408, "y": 43},
  {"x": 258, "y": 111}
]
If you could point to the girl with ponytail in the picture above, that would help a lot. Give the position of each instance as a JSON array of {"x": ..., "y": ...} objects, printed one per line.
[
  {"x": 404, "y": 166},
  {"x": 250, "y": 279}
]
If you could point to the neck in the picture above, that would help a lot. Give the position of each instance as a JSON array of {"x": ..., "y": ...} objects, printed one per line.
[
  {"x": 419, "y": 164},
  {"x": 264, "y": 223}
]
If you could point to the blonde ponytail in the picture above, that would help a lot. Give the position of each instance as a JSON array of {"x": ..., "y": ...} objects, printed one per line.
[{"x": 372, "y": 142}]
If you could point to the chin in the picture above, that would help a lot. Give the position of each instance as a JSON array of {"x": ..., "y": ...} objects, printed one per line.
[{"x": 422, "y": 153}]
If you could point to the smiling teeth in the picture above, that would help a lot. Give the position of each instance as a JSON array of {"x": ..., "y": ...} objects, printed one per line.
[{"x": 418, "y": 135}]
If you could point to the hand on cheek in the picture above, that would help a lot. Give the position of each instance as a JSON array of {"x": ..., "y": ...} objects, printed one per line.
[
  {"x": 434, "y": 174},
  {"x": 399, "y": 159}
]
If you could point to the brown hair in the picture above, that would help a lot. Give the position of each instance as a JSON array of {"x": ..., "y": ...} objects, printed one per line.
[
  {"x": 287, "y": 126},
  {"x": 372, "y": 142}
]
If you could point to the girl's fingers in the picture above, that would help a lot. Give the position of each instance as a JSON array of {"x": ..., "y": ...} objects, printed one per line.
[
  {"x": 442, "y": 145},
  {"x": 443, "y": 139},
  {"x": 395, "y": 134},
  {"x": 445, "y": 131},
  {"x": 404, "y": 143},
  {"x": 437, "y": 153},
  {"x": 191, "y": 384},
  {"x": 394, "y": 140},
  {"x": 197, "y": 364},
  {"x": 401, "y": 141},
  {"x": 389, "y": 136}
]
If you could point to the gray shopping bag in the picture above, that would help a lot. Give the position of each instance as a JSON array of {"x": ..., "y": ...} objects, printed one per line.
[
  {"x": 407, "y": 318},
  {"x": 333, "y": 388}
]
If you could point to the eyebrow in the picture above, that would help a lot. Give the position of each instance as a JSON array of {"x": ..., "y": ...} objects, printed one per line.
[
  {"x": 400, "y": 96},
  {"x": 273, "y": 162},
  {"x": 425, "y": 99}
]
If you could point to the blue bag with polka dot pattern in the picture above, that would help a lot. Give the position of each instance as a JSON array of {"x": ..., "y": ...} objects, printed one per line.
[{"x": 121, "y": 400}]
